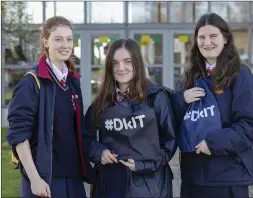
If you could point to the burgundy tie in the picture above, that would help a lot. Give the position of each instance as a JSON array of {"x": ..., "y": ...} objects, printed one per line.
[
  {"x": 209, "y": 70},
  {"x": 122, "y": 95}
]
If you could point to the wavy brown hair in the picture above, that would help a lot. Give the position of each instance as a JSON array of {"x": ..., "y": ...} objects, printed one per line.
[
  {"x": 228, "y": 62},
  {"x": 49, "y": 26},
  {"x": 138, "y": 85}
]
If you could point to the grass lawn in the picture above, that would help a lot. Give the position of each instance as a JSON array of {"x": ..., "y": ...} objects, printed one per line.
[{"x": 10, "y": 175}]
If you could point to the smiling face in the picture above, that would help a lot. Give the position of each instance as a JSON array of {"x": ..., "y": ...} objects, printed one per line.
[
  {"x": 123, "y": 68},
  {"x": 59, "y": 44},
  {"x": 210, "y": 42}
]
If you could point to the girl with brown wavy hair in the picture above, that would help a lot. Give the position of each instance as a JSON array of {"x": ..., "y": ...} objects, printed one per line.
[
  {"x": 222, "y": 163},
  {"x": 45, "y": 116}
]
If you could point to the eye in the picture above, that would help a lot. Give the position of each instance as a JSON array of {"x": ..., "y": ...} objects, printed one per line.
[
  {"x": 201, "y": 37},
  {"x": 57, "y": 40},
  {"x": 70, "y": 40},
  {"x": 213, "y": 36},
  {"x": 128, "y": 62}
]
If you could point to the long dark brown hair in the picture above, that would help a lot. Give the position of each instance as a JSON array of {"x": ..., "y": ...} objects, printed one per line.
[
  {"x": 49, "y": 26},
  {"x": 228, "y": 62},
  {"x": 137, "y": 87}
]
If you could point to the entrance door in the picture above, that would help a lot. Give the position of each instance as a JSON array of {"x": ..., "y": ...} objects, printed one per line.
[
  {"x": 154, "y": 47},
  {"x": 93, "y": 49}
]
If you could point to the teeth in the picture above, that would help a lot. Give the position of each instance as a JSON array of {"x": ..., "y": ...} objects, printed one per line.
[{"x": 64, "y": 53}]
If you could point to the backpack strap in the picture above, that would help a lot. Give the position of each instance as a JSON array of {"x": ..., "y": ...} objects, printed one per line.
[{"x": 35, "y": 76}]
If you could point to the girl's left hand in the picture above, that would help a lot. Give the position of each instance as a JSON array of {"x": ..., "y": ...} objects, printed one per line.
[
  {"x": 203, "y": 148},
  {"x": 130, "y": 164}
]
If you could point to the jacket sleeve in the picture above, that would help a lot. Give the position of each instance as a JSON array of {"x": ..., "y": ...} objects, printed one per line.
[
  {"x": 239, "y": 136},
  {"x": 22, "y": 112},
  {"x": 91, "y": 143},
  {"x": 165, "y": 120}
]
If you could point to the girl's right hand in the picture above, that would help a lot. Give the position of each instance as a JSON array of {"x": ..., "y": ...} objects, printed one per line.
[
  {"x": 40, "y": 188},
  {"x": 108, "y": 158},
  {"x": 194, "y": 94}
]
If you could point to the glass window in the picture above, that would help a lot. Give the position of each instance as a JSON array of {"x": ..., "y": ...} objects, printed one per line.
[
  {"x": 105, "y": 12},
  {"x": 201, "y": 8},
  {"x": 220, "y": 8},
  {"x": 77, "y": 49},
  {"x": 66, "y": 9},
  {"x": 96, "y": 79},
  {"x": 181, "y": 12},
  {"x": 49, "y": 9},
  {"x": 147, "y": 12},
  {"x": 241, "y": 43},
  {"x": 24, "y": 50},
  {"x": 238, "y": 11},
  {"x": 99, "y": 47},
  {"x": 151, "y": 47},
  {"x": 182, "y": 45},
  {"x": 18, "y": 12},
  {"x": 35, "y": 11}
]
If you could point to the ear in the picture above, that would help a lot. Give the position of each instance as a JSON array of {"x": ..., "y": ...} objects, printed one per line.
[{"x": 45, "y": 42}]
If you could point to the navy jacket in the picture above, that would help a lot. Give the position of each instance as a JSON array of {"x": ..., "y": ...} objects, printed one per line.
[
  {"x": 231, "y": 162},
  {"x": 31, "y": 114},
  {"x": 165, "y": 121}
]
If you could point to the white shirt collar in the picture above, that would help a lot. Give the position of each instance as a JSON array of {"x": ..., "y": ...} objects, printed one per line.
[
  {"x": 60, "y": 74},
  {"x": 211, "y": 66}
]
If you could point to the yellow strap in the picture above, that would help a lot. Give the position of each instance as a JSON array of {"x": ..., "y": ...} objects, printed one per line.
[
  {"x": 36, "y": 78},
  {"x": 13, "y": 159}
]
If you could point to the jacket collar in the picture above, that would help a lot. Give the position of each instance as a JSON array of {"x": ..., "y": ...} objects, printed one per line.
[{"x": 43, "y": 71}]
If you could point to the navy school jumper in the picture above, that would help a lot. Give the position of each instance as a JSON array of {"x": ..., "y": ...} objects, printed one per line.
[
  {"x": 231, "y": 162},
  {"x": 30, "y": 116}
]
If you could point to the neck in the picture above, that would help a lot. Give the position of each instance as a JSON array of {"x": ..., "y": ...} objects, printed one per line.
[
  {"x": 57, "y": 63},
  {"x": 210, "y": 61},
  {"x": 123, "y": 87}
]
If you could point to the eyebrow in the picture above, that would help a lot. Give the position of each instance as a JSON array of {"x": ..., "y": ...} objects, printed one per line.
[
  {"x": 124, "y": 59},
  {"x": 62, "y": 36}
]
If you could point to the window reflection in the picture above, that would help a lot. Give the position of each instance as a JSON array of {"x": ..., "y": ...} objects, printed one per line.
[
  {"x": 201, "y": 8},
  {"x": 239, "y": 11},
  {"x": 49, "y": 9},
  {"x": 105, "y": 12},
  {"x": 34, "y": 10},
  {"x": 181, "y": 11},
  {"x": 147, "y": 12},
  {"x": 24, "y": 50},
  {"x": 151, "y": 47},
  {"x": 241, "y": 43},
  {"x": 100, "y": 46},
  {"x": 220, "y": 8}
]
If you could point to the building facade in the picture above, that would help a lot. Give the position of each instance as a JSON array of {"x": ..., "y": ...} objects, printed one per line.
[{"x": 164, "y": 31}]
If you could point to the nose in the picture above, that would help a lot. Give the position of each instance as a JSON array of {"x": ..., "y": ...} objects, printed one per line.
[
  {"x": 207, "y": 41},
  {"x": 121, "y": 65},
  {"x": 64, "y": 44}
]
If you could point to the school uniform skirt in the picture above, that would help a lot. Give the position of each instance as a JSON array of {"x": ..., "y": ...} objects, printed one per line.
[{"x": 196, "y": 191}]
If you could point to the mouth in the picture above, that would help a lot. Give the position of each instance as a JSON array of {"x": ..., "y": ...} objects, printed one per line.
[
  {"x": 64, "y": 53},
  {"x": 209, "y": 48}
]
